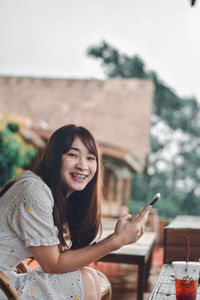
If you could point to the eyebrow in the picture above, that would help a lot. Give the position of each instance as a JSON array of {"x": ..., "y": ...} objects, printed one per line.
[{"x": 73, "y": 148}]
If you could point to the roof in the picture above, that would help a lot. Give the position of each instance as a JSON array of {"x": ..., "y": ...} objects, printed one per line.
[{"x": 117, "y": 111}]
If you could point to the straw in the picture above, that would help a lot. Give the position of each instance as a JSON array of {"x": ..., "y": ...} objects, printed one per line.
[{"x": 188, "y": 249}]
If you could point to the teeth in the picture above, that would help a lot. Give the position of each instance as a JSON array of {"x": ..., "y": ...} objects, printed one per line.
[{"x": 78, "y": 176}]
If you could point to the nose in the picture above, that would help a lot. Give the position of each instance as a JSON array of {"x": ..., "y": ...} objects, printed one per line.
[{"x": 82, "y": 164}]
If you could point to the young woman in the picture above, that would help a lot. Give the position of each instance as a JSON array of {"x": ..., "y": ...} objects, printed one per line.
[{"x": 61, "y": 192}]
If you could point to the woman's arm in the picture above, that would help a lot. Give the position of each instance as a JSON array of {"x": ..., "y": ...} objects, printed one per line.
[{"x": 128, "y": 230}]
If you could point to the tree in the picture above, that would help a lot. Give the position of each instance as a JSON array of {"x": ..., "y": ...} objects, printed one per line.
[
  {"x": 175, "y": 137},
  {"x": 15, "y": 154}
]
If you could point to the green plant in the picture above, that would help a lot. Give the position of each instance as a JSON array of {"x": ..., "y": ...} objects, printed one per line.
[{"x": 15, "y": 153}]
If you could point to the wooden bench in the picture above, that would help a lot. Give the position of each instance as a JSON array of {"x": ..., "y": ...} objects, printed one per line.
[{"x": 139, "y": 253}]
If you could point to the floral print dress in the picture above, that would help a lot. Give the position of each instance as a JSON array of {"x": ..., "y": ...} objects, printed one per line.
[{"x": 26, "y": 219}]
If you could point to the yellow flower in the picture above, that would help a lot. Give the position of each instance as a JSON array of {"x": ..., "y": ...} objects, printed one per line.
[
  {"x": 32, "y": 292},
  {"x": 30, "y": 208},
  {"x": 76, "y": 297}
]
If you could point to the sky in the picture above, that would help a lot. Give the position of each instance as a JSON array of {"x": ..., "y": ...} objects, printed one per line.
[{"x": 49, "y": 38}]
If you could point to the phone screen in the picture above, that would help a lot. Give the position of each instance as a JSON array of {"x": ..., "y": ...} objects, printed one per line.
[{"x": 155, "y": 199}]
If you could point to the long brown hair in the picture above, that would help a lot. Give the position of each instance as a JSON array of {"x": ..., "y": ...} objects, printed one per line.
[{"x": 82, "y": 209}]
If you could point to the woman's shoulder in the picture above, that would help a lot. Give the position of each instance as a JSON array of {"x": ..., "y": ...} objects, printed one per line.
[
  {"x": 28, "y": 174},
  {"x": 30, "y": 183},
  {"x": 28, "y": 177}
]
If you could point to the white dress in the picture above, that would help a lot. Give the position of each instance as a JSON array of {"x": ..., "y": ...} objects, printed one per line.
[{"x": 26, "y": 220}]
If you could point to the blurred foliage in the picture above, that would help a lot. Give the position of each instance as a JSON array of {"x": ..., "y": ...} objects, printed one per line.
[
  {"x": 174, "y": 163},
  {"x": 15, "y": 154}
]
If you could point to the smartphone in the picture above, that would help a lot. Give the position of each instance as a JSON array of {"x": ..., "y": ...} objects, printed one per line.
[{"x": 155, "y": 199}]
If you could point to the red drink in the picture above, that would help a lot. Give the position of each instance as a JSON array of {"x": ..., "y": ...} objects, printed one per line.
[{"x": 186, "y": 289}]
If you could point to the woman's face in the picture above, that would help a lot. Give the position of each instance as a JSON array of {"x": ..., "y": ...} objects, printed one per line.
[{"x": 78, "y": 167}]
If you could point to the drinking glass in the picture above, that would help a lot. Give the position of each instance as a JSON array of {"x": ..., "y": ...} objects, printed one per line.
[{"x": 186, "y": 279}]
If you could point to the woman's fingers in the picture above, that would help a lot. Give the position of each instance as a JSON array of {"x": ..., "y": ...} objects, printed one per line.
[
  {"x": 127, "y": 217},
  {"x": 129, "y": 229},
  {"x": 140, "y": 231},
  {"x": 143, "y": 215},
  {"x": 140, "y": 221},
  {"x": 122, "y": 221}
]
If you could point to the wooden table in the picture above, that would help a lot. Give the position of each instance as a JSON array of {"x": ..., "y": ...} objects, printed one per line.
[
  {"x": 165, "y": 286},
  {"x": 139, "y": 253},
  {"x": 175, "y": 238}
]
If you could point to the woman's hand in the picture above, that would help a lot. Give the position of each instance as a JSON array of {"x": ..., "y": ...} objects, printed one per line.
[{"x": 129, "y": 229}]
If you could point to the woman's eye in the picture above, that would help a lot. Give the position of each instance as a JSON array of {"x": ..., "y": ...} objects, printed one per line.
[
  {"x": 91, "y": 157},
  {"x": 72, "y": 154}
]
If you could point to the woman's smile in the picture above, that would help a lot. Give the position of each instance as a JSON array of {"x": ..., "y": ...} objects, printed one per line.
[{"x": 78, "y": 177}]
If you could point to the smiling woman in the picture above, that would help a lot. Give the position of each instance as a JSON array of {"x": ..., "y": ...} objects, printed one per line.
[
  {"x": 62, "y": 191},
  {"x": 70, "y": 153}
]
